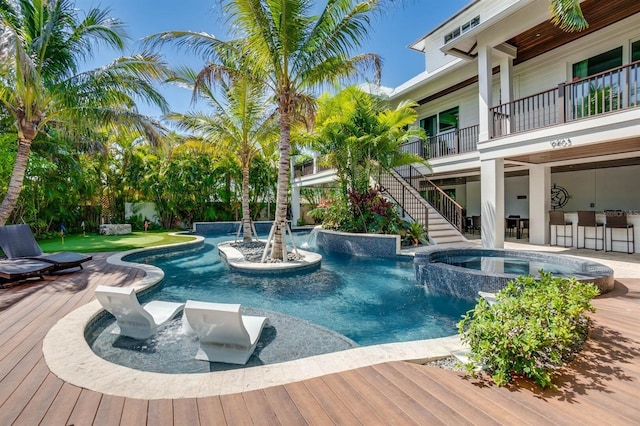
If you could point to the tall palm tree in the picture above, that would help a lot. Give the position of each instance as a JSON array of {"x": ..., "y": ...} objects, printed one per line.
[
  {"x": 567, "y": 14},
  {"x": 241, "y": 122},
  {"x": 41, "y": 47},
  {"x": 294, "y": 52}
]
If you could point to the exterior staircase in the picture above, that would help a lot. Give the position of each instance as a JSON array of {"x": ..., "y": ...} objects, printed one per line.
[{"x": 443, "y": 224}]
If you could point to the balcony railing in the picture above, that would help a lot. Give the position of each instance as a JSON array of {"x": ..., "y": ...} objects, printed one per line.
[
  {"x": 445, "y": 144},
  {"x": 306, "y": 169},
  {"x": 612, "y": 90}
]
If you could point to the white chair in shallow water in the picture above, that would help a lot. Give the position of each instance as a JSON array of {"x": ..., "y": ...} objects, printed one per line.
[
  {"x": 135, "y": 320},
  {"x": 225, "y": 335}
]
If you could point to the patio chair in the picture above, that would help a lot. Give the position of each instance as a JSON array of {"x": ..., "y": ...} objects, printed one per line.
[
  {"x": 20, "y": 269},
  {"x": 476, "y": 224},
  {"x": 556, "y": 219},
  {"x": 134, "y": 320},
  {"x": 17, "y": 241},
  {"x": 511, "y": 224},
  {"x": 225, "y": 335},
  {"x": 587, "y": 219},
  {"x": 617, "y": 219}
]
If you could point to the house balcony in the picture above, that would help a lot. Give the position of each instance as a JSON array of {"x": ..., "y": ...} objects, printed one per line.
[
  {"x": 445, "y": 144},
  {"x": 611, "y": 91}
]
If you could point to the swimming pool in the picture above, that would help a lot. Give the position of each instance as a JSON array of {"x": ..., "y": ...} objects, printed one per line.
[{"x": 368, "y": 300}]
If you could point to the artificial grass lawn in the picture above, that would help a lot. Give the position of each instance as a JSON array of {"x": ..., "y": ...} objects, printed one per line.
[{"x": 93, "y": 243}]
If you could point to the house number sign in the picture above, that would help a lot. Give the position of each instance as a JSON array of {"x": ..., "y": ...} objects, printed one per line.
[{"x": 560, "y": 143}]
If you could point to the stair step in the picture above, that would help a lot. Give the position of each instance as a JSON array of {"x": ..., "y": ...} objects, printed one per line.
[{"x": 458, "y": 239}]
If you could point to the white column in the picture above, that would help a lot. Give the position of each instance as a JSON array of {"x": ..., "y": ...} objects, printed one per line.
[
  {"x": 539, "y": 203},
  {"x": 506, "y": 90},
  {"x": 295, "y": 204},
  {"x": 485, "y": 91},
  {"x": 492, "y": 202}
]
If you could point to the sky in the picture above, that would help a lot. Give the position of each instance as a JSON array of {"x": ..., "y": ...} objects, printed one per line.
[{"x": 389, "y": 36}]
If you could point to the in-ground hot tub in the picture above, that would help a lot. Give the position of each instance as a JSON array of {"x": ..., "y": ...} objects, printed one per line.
[{"x": 464, "y": 272}]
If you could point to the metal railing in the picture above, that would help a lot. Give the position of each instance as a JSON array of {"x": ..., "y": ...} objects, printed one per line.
[
  {"x": 445, "y": 144},
  {"x": 405, "y": 196},
  {"x": 612, "y": 90},
  {"x": 306, "y": 169},
  {"x": 436, "y": 197}
]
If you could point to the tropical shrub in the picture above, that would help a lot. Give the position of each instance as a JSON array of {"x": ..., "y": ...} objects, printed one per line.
[
  {"x": 415, "y": 234},
  {"x": 536, "y": 326}
]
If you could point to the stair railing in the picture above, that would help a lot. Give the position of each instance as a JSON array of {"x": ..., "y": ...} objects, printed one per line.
[
  {"x": 411, "y": 202},
  {"x": 435, "y": 196}
]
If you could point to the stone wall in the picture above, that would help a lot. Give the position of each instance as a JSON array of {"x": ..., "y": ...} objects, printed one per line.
[{"x": 115, "y": 229}]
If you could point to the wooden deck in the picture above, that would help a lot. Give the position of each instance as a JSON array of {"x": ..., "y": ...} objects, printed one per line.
[{"x": 600, "y": 387}]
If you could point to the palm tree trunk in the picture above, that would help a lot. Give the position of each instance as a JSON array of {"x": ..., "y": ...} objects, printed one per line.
[
  {"x": 282, "y": 199},
  {"x": 17, "y": 177},
  {"x": 246, "y": 214}
]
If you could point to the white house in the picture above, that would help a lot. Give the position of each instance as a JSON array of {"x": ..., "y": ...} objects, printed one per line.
[{"x": 524, "y": 118}]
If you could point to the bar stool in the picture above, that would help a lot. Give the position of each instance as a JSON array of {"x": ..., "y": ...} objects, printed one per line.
[
  {"x": 587, "y": 219},
  {"x": 617, "y": 219},
  {"x": 556, "y": 218}
]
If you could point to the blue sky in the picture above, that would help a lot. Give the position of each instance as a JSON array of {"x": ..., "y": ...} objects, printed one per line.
[{"x": 391, "y": 32}]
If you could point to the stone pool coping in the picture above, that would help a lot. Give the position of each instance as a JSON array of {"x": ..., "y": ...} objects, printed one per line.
[
  {"x": 237, "y": 262},
  {"x": 69, "y": 356}
]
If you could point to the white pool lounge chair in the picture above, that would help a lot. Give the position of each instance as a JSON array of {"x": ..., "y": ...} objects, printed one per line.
[
  {"x": 225, "y": 335},
  {"x": 134, "y": 320}
]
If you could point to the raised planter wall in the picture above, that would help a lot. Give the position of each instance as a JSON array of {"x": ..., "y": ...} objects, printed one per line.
[
  {"x": 377, "y": 245},
  {"x": 228, "y": 227}
]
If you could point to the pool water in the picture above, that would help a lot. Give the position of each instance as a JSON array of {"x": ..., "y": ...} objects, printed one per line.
[
  {"x": 368, "y": 300},
  {"x": 507, "y": 265}
]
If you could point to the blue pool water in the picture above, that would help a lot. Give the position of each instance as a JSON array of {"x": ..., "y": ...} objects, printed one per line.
[
  {"x": 370, "y": 301},
  {"x": 508, "y": 265},
  {"x": 347, "y": 302}
]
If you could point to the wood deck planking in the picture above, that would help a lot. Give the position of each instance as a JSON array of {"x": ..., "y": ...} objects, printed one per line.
[
  {"x": 134, "y": 412},
  {"x": 13, "y": 406},
  {"x": 357, "y": 405},
  {"x": 235, "y": 410},
  {"x": 333, "y": 406},
  {"x": 381, "y": 404},
  {"x": 110, "y": 410},
  {"x": 63, "y": 405},
  {"x": 160, "y": 412},
  {"x": 309, "y": 408},
  {"x": 85, "y": 408},
  {"x": 262, "y": 412},
  {"x": 185, "y": 411},
  {"x": 39, "y": 404},
  {"x": 210, "y": 411},
  {"x": 394, "y": 392},
  {"x": 443, "y": 404},
  {"x": 283, "y": 406}
]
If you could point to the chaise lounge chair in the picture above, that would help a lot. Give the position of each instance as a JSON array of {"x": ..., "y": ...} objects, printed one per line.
[
  {"x": 17, "y": 242},
  {"x": 225, "y": 335},
  {"x": 19, "y": 269},
  {"x": 134, "y": 320}
]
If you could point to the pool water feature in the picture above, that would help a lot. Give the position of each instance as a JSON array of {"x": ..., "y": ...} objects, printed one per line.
[
  {"x": 367, "y": 300},
  {"x": 463, "y": 272}
]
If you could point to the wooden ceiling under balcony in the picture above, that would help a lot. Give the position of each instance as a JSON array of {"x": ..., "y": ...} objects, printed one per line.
[{"x": 546, "y": 36}]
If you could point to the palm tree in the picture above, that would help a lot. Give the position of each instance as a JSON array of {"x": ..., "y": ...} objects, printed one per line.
[
  {"x": 241, "y": 123},
  {"x": 360, "y": 136},
  {"x": 41, "y": 47},
  {"x": 294, "y": 53},
  {"x": 568, "y": 15}
]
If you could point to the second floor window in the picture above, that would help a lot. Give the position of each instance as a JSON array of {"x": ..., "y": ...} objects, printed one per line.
[
  {"x": 599, "y": 63},
  {"x": 442, "y": 122}
]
